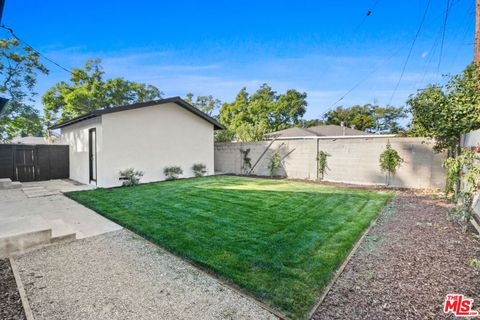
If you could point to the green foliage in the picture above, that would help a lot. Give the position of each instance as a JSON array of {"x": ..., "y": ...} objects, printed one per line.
[
  {"x": 19, "y": 66},
  {"x": 199, "y": 169},
  {"x": 446, "y": 112},
  {"x": 463, "y": 168},
  {"x": 172, "y": 173},
  {"x": 465, "y": 163},
  {"x": 390, "y": 161},
  {"x": 88, "y": 91},
  {"x": 275, "y": 162},
  {"x": 281, "y": 241},
  {"x": 322, "y": 163},
  {"x": 475, "y": 263},
  {"x": 248, "y": 118},
  {"x": 207, "y": 104},
  {"x": 369, "y": 118},
  {"x": 224, "y": 135},
  {"x": 130, "y": 177},
  {"x": 246, "y": 160}
]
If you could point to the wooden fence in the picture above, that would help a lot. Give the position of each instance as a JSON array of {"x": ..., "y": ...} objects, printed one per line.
[{"x": 21, "y": 162}]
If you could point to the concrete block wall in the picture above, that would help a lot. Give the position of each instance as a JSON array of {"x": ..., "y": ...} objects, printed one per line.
[{"x": 352, "y": 160}]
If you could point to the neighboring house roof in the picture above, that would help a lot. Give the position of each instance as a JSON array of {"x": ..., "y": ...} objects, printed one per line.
[
  {"x": 334, "y": 130},
  {"x": 291, "y": 132},
  {"x": 318, "y": 131},
  {"x": 32, "y": 140},
  {"x": 179, "y": 101}
]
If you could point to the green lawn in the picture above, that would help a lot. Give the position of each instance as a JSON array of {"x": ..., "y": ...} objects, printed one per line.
[{"x": 280, "y": 241}]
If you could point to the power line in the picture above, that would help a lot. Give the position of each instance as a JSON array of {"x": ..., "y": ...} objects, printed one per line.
[
  {"x": 34, "y": 50},
  {"x": 410, "y": 51},
  {"x": 444, "y": 28},
  {"x": 374, "y": 69}
]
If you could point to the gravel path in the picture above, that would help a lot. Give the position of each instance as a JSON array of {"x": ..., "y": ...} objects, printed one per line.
[
  {"x": 405, "y": 267},
  {"x": 10, "y": 303},
  {"x": 121, "y": 276}
]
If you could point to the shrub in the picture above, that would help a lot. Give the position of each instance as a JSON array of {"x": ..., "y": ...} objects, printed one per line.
[
  {"x": 172, "y": 172},
  {"x": 322, "y": 163},
  {"x": 275, "y": 163},
  {"x": 390, "y": 161},
  {"x": 130, "y": 177},
  {"x": 199, "y": 169}
]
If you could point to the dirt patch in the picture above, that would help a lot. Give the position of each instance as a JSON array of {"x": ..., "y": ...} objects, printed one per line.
[
  {"x": 10, "y": 302},
  {"x": 410, "y": 260}
]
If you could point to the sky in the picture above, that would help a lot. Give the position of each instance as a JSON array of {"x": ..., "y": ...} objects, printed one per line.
[{"x": 323, "y": 48}]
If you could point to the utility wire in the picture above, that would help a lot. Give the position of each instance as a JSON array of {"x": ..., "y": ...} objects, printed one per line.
[
  {"x": 410, "y": 52},
  {"x": 34, "y": 50},
  {"x": 444, "y": 28},
  {"x": 367, "y": 14},
  {"x": 374, "y": 69}
]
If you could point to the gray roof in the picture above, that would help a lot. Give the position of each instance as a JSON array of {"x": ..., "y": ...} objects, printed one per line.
[
  {"x": 179, "y": 101},
  {"x": 329, "y": 130}
]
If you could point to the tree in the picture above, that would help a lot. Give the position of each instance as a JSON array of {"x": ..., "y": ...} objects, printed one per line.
[
  {"x": 370, "y": 118},
  {"x": 207, "y": 104},
  {"x": 447, "y": 112},
  {"x": 19, "y": 66},
  {"x": 390, "y": 161},
  {"x": 248, "y": 118},
  {"x": 88, "y": 91}
]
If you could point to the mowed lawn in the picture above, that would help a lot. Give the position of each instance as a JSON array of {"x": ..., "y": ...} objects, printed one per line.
[{"x": 280, "y": 241}]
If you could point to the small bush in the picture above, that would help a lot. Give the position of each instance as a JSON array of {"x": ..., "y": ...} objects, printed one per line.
[
  {"x": 390, "y": 161},
  {"x": 172, "y": 172},
  {"x": 322, "y": 163},
  {"x": 130, "y": 177},
  {"x": 199, "y": 169},
  {"x": 275, "y": 163}
]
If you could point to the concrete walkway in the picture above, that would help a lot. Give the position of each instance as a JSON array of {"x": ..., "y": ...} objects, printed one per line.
[
  {"x": 119, "y": 275},
  {"x": 41, "y": 205}
]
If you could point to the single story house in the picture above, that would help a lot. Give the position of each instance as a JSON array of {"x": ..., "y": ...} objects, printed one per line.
[
  {"x": 146, "y": 136},
  {"x": 329, "y": 130}
]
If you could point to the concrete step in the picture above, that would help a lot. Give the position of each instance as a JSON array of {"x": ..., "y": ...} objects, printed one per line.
[
  {"x": 16, "y": 185},
  {"x": 5, "y": 183},
  {"x": 23, "y": 233},
  {"x": 24, "y": 241},
  {"x": 60, "y": 228}
]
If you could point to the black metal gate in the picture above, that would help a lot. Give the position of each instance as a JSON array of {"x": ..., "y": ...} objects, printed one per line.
[{"x": 34, "y": 162}]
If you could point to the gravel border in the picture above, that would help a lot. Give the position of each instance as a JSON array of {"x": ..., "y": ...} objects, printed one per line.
[
  {"x": 10, "y": 302},
  {"x": 120, "y": 275}
]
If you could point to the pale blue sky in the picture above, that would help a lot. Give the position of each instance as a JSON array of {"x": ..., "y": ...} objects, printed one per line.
[{"x": 217, "y": 47}]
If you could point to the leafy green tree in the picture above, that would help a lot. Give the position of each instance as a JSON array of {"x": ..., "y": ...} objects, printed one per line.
[
  {"x": 370, "y": 118},
  {"x": 19, "y": 66},
  {"x": 248, "y": 118},
  {"x": 447, "y": 112},
  {"x": 207, "y": 104},
  {"x": 390, "y": 161},
  {"x": 88, "y": 91}
]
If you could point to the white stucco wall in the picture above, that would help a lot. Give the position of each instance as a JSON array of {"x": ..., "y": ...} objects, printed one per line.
[
  {"x": 151, "y": 138},
  {"x": 76, "y": 136}
]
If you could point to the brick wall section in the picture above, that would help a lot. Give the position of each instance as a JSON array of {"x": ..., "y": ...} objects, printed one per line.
[{"x": 352, "y": 160}]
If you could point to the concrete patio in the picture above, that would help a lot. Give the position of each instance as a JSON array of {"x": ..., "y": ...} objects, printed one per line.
[{"x": 38, "y": 211}]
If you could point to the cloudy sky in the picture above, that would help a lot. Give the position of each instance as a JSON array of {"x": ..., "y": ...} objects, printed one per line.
[{"x": 325, "y": 48}]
